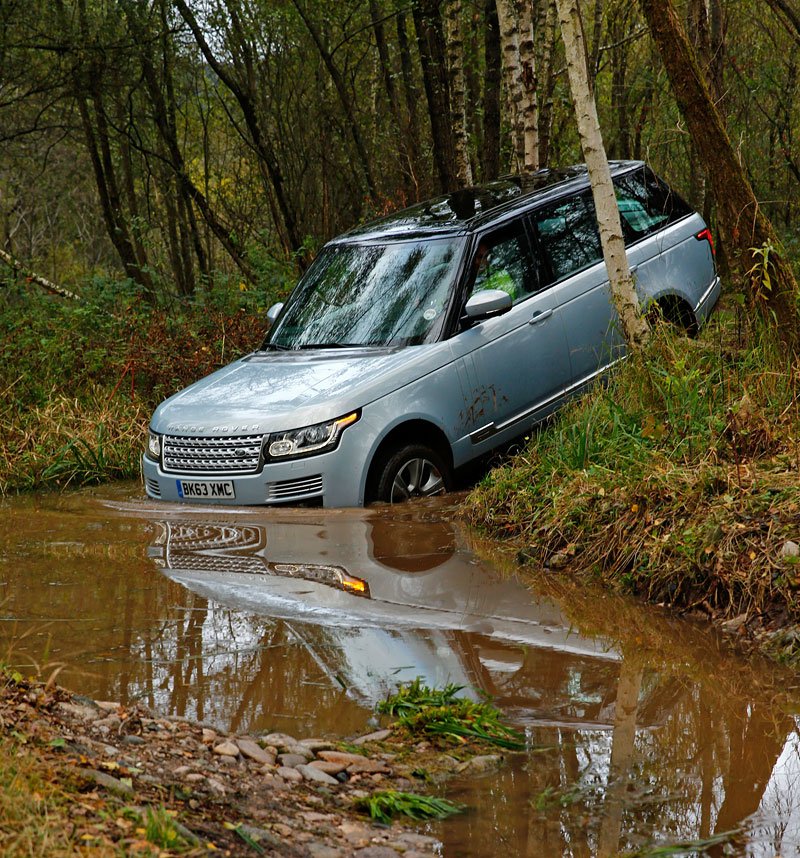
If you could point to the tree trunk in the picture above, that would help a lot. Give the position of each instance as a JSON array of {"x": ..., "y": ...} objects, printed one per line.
[
  {"x": 458, "y": 112},
  {"x": 512, "y": 74},
  {"x": 32, "y": 277},
  {"x": 752, "y": 243},
  {"x": 530, "y": 86},
  {"x": 411, "y": 98},
  {"x": 490, "y": 156},
  {"x": 410, "y": 181},
  {"x": 430, "y": 39},
  {"x": 623, "y": 292},
  {"x": 546, "y": 44}
]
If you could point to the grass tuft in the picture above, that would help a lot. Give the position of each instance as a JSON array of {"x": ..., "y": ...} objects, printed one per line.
[
  {"x": 442, "y": 714},
  {"x": 385, "y": 805}
]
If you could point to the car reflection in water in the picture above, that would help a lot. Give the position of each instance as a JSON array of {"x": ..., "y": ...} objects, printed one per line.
[{"x": 377, "y": 602}]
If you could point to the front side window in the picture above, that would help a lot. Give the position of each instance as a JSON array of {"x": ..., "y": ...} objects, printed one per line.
[
  {"x": 568, "y": 235},
  {"x": 502, "y": 261},
  {"x": 393, "y": 294}
]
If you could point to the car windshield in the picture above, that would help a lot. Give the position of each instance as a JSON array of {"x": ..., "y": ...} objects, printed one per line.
[{"x": 393, "y": 294}]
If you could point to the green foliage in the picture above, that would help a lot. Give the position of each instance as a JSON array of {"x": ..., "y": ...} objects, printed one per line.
[
  {"x": 383, "y": 806},
  {"x": 79, "y": 380},
  {"x": 441, "y": 714}
]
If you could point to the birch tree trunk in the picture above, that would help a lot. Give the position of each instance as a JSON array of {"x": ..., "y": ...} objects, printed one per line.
[
  {"x": 623, "y": 293},
  {"x": 530, "y": 86},
  {"x": 545, "y": 46},
  {"x": 754, "y": 247},
  {"x": 512, "y": 73},
  {"x": 458, "y": 113}
]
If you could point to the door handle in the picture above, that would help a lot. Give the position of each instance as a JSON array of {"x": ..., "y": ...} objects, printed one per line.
[{"x": 540, "y": 316}]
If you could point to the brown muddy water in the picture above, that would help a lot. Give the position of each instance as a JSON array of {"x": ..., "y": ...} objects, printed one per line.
[{"x": 643, "y": 731}]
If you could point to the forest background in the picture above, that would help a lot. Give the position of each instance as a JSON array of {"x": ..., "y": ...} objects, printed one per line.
[{"x": 168, "y": 168}]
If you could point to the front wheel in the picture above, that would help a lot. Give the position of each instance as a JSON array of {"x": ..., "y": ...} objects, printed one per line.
[{"x": 410, "y": 471}]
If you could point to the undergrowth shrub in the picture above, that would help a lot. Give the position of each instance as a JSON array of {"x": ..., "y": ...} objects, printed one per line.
[
  {"x": 79, "y": 379},
  {"x": 677, "y": 479}
]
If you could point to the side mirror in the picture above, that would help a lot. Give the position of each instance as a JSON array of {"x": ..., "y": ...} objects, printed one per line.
[
  {"x": 485, "y": 304},
  {"x": 273, "y": 313}
]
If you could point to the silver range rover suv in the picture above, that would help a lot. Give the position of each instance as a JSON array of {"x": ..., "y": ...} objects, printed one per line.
[{"x": 419, "y": 342}]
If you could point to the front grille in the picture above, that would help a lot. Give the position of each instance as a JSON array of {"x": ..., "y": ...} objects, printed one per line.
[
  {"x": 237, "y": 455},
  {"x": 195, "y": 561},
  {"x": 291, "y": 489},
  {"x": 152, "y": 487}
]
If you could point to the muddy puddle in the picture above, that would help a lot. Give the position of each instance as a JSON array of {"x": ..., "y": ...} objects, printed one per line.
[{"x": 643, "y": 731}]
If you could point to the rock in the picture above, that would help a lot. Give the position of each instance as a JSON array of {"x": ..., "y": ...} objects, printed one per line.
[
  {"x": 341, "y": 757},
  {"x": 209, "y": 736},
  {"x": 107, "y": 705},
  {"x": 292, "y": 761},
  {"x": 260, "y": 835},
  {"x": 481, "y": 765},
  {"x": 288, "y": 774},
  {"x": 315, "y": 744},
  {"x": 790, "y": 549},
  {"x": 132, "y": 740},
  {"x": 300, "y": 749},
  {"x": 80, "y": 711},
  {"x": 377, "y": 736},
  {"x": 734, "y": 625},
  {"x": 279, "y": 740},
  {"x": 226, "y": 749},
  {"x": 376, "y": 852},
  {"x": 322, "y": 850},
  {"x": 255, "y": 752},
  {"x": 195, "y": 778},
  {"x": 367, "y": 766},
  {"x": 328, "y": 767},
  {"x": 107, "y": 782},
  {"x": 411, "y": 840},
  {"x": 216, "y": 786},
  {"x": 310, "y": 773}
]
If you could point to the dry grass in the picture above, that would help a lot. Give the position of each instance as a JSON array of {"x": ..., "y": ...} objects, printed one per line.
[{"x": 71, "y": 442}]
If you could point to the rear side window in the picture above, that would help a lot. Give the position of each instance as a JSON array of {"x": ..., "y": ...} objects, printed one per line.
[
  {"x": 568, "y": 236},
  {"x": 646, "y": 204}
]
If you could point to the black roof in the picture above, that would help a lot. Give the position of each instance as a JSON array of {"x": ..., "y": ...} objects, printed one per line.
[{"x": 466, "y": 209}]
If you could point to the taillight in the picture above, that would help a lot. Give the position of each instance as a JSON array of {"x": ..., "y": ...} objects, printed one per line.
[{"x": 705, "y": 235}]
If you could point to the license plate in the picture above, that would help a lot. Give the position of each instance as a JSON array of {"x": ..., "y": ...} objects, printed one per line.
[{"x": 205, "y": 489}]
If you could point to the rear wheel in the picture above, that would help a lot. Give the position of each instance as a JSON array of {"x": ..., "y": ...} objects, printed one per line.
[{"x": 412, "y": 470}]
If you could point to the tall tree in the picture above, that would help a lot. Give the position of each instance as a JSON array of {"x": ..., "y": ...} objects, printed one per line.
[
  {"x": 752, "y": 243},
  {"x": 623, "y": 291},
  {"x": 432, "y": 54}
]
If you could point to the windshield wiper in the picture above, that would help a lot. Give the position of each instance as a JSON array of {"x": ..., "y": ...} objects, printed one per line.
[{"x": 275, "y": 347}]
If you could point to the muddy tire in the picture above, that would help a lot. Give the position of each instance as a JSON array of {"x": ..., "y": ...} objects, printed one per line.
[{"x": 412, "y": 470}]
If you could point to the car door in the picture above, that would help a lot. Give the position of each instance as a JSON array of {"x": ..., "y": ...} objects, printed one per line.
[
  {"x": 517, "y": 363},
  {"x": 568, "y": 243}
]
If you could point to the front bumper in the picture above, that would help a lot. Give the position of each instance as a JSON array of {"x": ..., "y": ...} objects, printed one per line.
[{"x": 335, "y": 478}]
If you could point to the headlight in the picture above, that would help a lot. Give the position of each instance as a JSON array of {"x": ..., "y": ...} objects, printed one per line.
[
  {"x": 153, "y": 446},
  {"x": 310, "y": 439}
]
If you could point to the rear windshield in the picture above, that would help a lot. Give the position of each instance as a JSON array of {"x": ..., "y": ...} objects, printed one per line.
[{"x": 393, "y": 294}]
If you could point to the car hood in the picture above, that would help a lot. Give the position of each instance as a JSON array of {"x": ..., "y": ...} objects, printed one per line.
[{"x": 271, "y": 391}]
